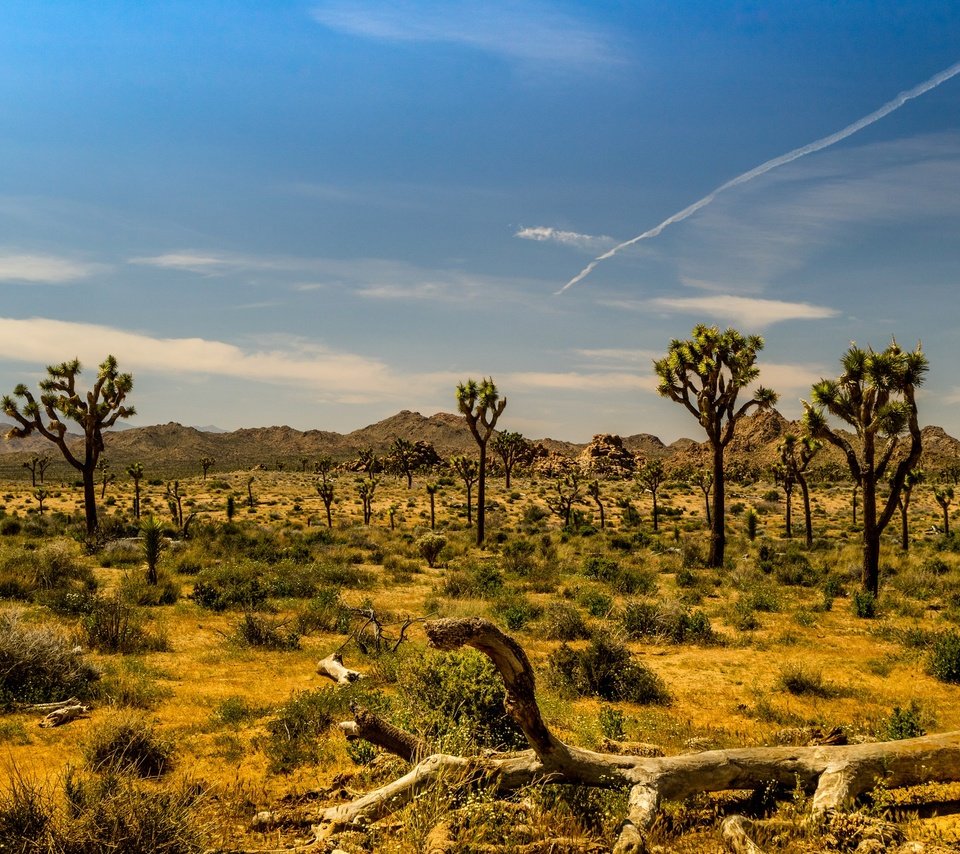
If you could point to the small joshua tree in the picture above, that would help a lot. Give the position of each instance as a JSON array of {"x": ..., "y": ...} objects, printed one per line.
[
  {"x": 703, "y": 478},
  {"x": 795, "y": 456},
  {"x": 106, "y": 476},
  {"x": 651, "y": 478},
  {"x": 206, "y": 463},
  {"x": 568, "y": 494},
  {"x": 481, "y": 406},
  {"x": 135, "y": 470},
  {"x": 906, "y": 491},
  {"x": 175, "y": 503},
  {"x": 41, "y": 495},
  {"x": 512, "y": 448},
  {"x": 366, "y": 489},
  {"x": 403, "y": 456},
  {"x": 468, "y": 471},
  {"x": 37, "y": 464},
  {"x": 944, "y": 497},
  {"x": 325, "y": 491},
  {"x": 60, "y": 401},
  {"x": 593, "y": 490}
]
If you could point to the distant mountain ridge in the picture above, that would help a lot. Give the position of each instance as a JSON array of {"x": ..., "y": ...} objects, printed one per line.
[{"x": 175, "y": 446}]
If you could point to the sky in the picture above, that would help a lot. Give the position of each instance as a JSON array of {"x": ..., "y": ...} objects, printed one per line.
[{"x": 321, "y": 213}]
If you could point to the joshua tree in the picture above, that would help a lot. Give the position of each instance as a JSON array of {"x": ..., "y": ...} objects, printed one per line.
[
  {"x": 106, "y": 476},
  {"x": 135, "y": 470},
  {"x": 392, "y": 514},
  {"x": 785, "y": 477},
  {"x": 366, "y": 488},
  {"x": 41, "y": 495},
  {"x": 511, "y": 448},
  {"x": 468, "y": 471},
  {"x": 403, "y": 455},
  {"x": 703, "y": 478},
  {"x": 795, "y": 456},
  {"x": 94, "y": 412},
  {"x": 651, "y": 478},
  {"x": 323, "y": 466},
  {"x": 151, "y": 532},
  {"x": 481, "y": 406},
  {"x": 432, "y": 492},
  {"x": 303, "y": 463},
  {"x": 325, "y": 491},
  {"x": 944, "y": 497},
  {"x": 251, "y": 501},
  {"x": 875, "y": 395},
  {"x": 593, "y": 490},
  {"x": 175, "y": 502},
  {"x": 37, "y": 464},
  {"x": 706, "y": 374},
  {"x": 206, "y": 463},
  {"x": 854, "y": 495},
  {"x": 568, "y": 494},
  {"x": 909, "y": 482},
  {"x": 367, "y": 462}
]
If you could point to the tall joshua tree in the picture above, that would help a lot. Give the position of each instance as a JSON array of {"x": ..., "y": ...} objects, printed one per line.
[
  {"x": 706, "y": 374},
  {"x": 875, "y": 395},
  {"x": 468, "y": 471},
  {"x": 97, "y": 410},
  {"x": 481, "y": 406}
]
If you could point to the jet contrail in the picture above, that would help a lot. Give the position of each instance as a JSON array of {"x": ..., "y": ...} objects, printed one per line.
[{"x": 783, "y": 159}]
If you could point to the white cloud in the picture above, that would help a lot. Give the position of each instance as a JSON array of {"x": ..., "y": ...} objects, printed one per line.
[
  {"x": 614, "y": 355},
  {"x": 748, "y": 311},
  {"x": 44, "y": 269},
  {"x": 338, "y": 376},
  {"x": 531, "y": 31},
  {"x": 545, "y": 233}
]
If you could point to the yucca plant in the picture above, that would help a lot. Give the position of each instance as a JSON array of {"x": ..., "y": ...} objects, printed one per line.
[{"x": 151, "y": 532}]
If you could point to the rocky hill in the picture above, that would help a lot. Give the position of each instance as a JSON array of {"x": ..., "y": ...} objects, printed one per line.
[{"x": 173, "y": 448}]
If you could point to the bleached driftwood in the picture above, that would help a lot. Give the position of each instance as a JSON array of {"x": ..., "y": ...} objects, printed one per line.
[
  {"x": 370, "y": 727},
  {"x": 332, "y": 667},
  {"x": 63, "y": 715},
  {"x": 837, "y": 775}
]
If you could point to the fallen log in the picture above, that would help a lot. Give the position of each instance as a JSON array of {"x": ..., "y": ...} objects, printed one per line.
[
  {"x": 332, "y": 667},
  {"x": 835, "y": 774},
  {"x": 63, "y": 714}
]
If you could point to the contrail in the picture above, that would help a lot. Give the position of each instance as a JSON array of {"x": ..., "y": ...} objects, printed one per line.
[{"x": 783, "y": 159}]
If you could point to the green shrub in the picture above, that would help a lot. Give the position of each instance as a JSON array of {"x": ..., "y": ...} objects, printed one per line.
[
  {"x": 229, "y": 586},
  {"x": 864, "y": 604},
  {"x": 675, "y": 624},
  {"x": 611, "y": 722},
  {"x": 519, "y": 556},
  {"x": 458, "y": 692},
  {"x": 39, "y": 665},
  {"x": 562, "y": 621},
  {"x": 114, "y": 626},
  {"x": 293, "y": 733},
  {"x": 325, "y": 612},
  {"x": 517, "y": 611},
  {"x": 264, "y": 633},
  {"x": 797, "y": 680},
  {"x": 944, "y": 659},
  {"x": 903, "y": 723},
  {"x": 598, "y": 604},
  {"x": 135, "y": 589},
  {"x": 430, "y": 546},
  {"x": 605, "y": 669},
  {"x": 127, "y": 743}
]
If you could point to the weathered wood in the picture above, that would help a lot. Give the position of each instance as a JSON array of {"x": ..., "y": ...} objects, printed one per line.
[
  {"x": 63, "y": 715},
  {"x": 734, "y": 832},
  {"x": 332, "y": 667},
  {"x": 372, "y": 728},
  {"x": 837, "y": 774}
]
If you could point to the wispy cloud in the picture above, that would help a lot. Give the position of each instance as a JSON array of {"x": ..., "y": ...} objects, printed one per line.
[
  {"x": 748, "y": 311},
  {"x": 531, "y": 32},
  {"x": 338, "y": 376},
  {"x": 44, "y": 269},
  {"x": 612, "y": 355},
  {"x": 548, "y": 234},
  {"x": 583, "y": 381}
]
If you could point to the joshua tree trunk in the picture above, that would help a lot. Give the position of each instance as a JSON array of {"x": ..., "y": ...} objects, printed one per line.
[
  {"x": 718, "y": 539},
  {"x": 807, "y": 521},
  {"x": 788, "y": 521},
  {"x": 90, "y": 497},
  {"x": 870, "y": 573}
]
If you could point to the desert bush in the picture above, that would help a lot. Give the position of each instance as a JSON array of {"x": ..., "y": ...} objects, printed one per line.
[
  {"x": 457, "y": 691},
  {"x": 430, "y": 546},
  {"x": 135, "y": 589},
  {"x": 114, "y": 626},
  {"x": 597, "y": 603},
  {"x": 864, "y": 604},
  {"x": 902, "y": 723},
  {"x": 562, "y": 621},
  {"x": 39, "y": 665},
  {"x": 344, "y": 574},
  {"x": 519, "y": 556},
  {"x": 799, "y": 681},
  {"x": 127, "y": 743},
  {"x": 229, "y": 586},
  {"x": 605, "y": 669},
  {"x": 325, "y": 612},
  {"x": 623, "y": 579},
  {"x": 130, "y": 683},
  {"x": 44, "y": 573},
  {"x": 477, "y": 580},
  {"x": 264, "y": 633},
  {"x": 673, "y": 623},
  {"x": 516, "y": 611},
  {"x": 944, "y": 661}
]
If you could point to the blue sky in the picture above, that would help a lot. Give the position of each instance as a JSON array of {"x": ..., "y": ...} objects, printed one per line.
[{"x": 319, "y": 213}]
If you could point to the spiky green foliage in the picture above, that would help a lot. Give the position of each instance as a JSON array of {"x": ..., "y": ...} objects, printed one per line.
[
  {"x": 135, "y": 470},
  {"x": 60, "y": 401},
  {"x": 706, "y": 373},
  {"x": 512, "y": 448},
  {"x": 151, "y": 533},
  {"x": 875, "y": 396}
]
